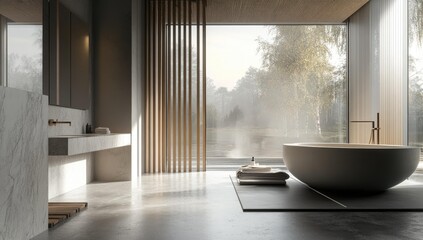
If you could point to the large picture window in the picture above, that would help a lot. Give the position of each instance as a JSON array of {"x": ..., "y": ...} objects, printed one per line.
[{"x": 270, "y": 85}]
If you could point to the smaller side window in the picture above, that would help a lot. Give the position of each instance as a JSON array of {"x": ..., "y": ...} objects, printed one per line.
[{"x": 24, "y": 56}]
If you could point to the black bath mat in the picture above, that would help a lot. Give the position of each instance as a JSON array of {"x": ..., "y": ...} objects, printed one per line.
[{"x": 296, "y": 196}]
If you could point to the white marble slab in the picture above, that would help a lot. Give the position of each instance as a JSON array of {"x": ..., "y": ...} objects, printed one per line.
[
  {"x": 23, "y": 164},
  {"x": 78, "y": 144}
]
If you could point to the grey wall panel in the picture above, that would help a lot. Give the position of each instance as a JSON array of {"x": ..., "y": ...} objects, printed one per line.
[
  {"x": 138, "y": 69},
  {"x": 81, "y": 8},
  {"x": 112, "y": 80},
  {"x": 112, "y": 64}
]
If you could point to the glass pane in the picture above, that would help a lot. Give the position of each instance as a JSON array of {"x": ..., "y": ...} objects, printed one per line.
[
  {"x": 270, "y": 85},
  {"x": 415, "y": 73},
  {"x": 24, "y": 63}
]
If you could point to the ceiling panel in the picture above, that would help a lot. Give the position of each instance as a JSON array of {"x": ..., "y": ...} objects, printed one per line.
[
  {"x": 22, "y": 10},
  {"x": 281, "y": 11}
]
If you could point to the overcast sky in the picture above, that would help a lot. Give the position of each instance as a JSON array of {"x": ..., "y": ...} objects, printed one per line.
[
  {"x": 21, "y": 40},
  {"x": 231, "y": 50}
]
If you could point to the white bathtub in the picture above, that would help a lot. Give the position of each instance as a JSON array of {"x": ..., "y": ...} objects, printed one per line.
[{"x": 350, "y": 167}]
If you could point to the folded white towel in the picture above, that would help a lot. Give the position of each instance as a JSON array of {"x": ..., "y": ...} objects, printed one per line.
[
  {"x": 102, "y": 130},
  {"x": 255, "y": 168}
]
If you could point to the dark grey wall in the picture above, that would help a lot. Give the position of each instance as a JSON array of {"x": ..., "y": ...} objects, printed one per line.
[
  {"x": 112, "y": 64},
  {"x": 81, "y": 8}
]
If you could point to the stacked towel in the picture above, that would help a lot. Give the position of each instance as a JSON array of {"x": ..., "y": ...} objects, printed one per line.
[
  {"x": 255, "y": 169},
  {"x": 102, "y": 130},
  {"x": 256, "y": 174}
]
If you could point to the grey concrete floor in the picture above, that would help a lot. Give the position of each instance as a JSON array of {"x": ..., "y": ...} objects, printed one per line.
[{"x": 205, "y": 206}]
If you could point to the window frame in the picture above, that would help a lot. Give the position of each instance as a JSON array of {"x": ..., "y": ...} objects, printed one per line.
[{"x": 3, "y": 51}]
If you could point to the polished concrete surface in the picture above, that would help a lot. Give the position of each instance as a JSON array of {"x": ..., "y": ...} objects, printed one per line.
[{"x": 205, "y": 206}]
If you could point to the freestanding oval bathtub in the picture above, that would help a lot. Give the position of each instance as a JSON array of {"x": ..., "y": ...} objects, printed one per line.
[{"x": 350, "y": 167}]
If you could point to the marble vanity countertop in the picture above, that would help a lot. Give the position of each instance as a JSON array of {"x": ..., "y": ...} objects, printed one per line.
[{"x": 65, "y": 145}]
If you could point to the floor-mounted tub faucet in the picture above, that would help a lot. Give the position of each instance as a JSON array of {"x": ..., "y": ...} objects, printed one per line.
[{"x": 375, "y": 129}]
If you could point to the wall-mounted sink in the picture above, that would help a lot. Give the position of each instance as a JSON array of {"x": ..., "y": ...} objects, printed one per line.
[{"x": 65, "y": 145}]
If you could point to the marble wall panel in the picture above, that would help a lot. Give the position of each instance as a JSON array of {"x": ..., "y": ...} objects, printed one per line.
[{"x": 23, "y": 164}]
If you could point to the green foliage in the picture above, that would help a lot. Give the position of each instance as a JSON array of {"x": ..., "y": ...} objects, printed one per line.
[{"x": 299, "y": 73}]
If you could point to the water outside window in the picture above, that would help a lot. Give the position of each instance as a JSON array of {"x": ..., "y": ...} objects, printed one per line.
[
  {"x": 270, "y": 85},
  {"x": 24, "y": 57}
]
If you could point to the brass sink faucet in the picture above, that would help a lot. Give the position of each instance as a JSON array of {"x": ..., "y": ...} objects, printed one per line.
[{"x": 53, "y": 122}]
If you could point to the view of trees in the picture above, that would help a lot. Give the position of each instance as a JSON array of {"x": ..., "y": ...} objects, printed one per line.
[
  {"x": 415, "y": 68},
  {"x": 25, "y": 69},
  {"x": 299, "y": 94}
]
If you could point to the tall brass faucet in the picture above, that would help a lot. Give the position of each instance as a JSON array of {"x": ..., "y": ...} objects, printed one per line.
[{"x": 375, "y": 129}]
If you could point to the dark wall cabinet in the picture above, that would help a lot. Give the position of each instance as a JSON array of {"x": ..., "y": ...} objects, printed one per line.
[
  {"x": 70, "y": 77},
  {"x": 80, "y": 70},
  {"x": 63, "y": 81}
]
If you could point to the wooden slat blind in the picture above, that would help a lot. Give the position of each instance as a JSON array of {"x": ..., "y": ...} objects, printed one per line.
[{"x": 176, "y": 66}]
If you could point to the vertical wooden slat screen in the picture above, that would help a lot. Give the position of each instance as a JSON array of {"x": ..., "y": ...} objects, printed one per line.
[
  {"x": 204, "y": 127},
  {"x": 171, "y": 73},
  {"x": 168, "y": 85},
  {"x": 189, "y": 85},
  {"x": 179, "y": 84},
  {"x": 164, "y": 75},
  {"x": 174, "y": 85},
  {"x": 184, "y": 103},
  {"x": 198, "y": 83},
  {"x": 153, "y": 87},
  {"x": 159, "y": 87}
]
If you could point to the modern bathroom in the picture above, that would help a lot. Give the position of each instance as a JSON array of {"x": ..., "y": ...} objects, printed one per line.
[{"x": 211, "y": 119}]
